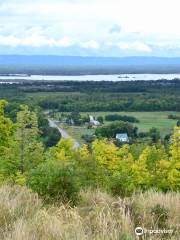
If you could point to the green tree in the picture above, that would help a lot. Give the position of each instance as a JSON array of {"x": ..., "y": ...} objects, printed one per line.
[
  {"x": 6, "y": 133},
  {"x": 6, "y": 128},
  {"x": 55, "y": 181},
  {"x": 110, "y": 130},
  {"x": 100, "y": 119},
  {"x": 26, "y": 151},
  {"x": 154, "y": 135}
]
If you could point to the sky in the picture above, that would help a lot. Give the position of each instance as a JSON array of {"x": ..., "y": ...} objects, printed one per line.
[{"x": 111, "y": 28}]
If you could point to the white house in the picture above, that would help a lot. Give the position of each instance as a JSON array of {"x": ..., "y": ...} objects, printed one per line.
[{"x": 122, "y": 137}]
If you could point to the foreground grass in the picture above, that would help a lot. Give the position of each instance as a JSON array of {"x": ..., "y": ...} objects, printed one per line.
[{"x": 97, "y": 217}]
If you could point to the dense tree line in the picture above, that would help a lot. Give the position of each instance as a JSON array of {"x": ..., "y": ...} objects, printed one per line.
[
  {"x": 124, "y": 118},
  {"x": 91, "y": 96}
]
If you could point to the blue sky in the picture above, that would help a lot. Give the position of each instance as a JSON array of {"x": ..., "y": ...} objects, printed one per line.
[{"x": 90, "y": 27}]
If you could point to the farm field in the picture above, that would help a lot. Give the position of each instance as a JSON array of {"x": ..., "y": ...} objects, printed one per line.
[{"x": 147, "y": 120}]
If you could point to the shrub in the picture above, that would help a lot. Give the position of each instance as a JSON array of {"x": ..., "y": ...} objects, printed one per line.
[
  {"x": 55, "y": 181},
  {"x": 174, "y": 117},
  {"x": 121, "y": 184},
  {"x": 154, "y": 135}
]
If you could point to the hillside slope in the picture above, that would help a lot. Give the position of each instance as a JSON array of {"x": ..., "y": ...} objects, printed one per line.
[{"x": 98, "y": 216}]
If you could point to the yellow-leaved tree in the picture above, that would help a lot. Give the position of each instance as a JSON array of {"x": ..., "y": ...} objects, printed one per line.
[
  {"x": 105, "y": 153},
  {"x": 141, "y": 174},
  {"x": 121, "y": 182},
  {"x": 174, "y": 168},
  {"x": 63, "y": 151}
]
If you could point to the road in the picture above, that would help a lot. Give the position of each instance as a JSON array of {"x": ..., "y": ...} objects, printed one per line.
[{"x": 64, "y": 134}]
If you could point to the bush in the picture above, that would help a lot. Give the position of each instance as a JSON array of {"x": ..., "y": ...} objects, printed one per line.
[
  {"x": 174, "y": 117},
  {"x": 55, "y": 181},
  {"x": 154, "y": 134},
  {"x": 143, "y": 135},
  {"x": 121, "y": 184}
]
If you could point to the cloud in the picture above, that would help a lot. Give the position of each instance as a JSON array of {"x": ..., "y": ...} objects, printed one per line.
[
  {"x": 130, "y": 27},
  {"x": 43, "y": 41},
  {"x": 90, "y": 44},
  {"x": 35, "y": 41},
  {"x": 134, "y": 46},
  {"x": 115, "y": 29},
  {"x": 137, "y": 46}
]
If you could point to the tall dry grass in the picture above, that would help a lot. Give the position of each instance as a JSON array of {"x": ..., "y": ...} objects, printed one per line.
[{"x": 97, "y": 217}]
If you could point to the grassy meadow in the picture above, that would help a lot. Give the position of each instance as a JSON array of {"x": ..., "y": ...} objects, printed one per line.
[{"x": 98, "y": 216}]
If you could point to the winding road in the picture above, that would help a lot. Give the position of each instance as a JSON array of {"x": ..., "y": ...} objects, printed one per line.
[{"x": 64, "y": 134}]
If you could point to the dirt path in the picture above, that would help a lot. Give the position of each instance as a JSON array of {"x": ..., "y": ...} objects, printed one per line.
[{"x": 64, "y": 134}]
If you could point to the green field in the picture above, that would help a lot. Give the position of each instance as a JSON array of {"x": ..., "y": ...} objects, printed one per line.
[
  {"x": 147, "y": 120},
  {"x": 76, "y": 132}
]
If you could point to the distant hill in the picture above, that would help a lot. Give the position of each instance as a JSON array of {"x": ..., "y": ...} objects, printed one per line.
[
  {"x": 52, "y": 64},
  {"x": 75, "y": 60}
]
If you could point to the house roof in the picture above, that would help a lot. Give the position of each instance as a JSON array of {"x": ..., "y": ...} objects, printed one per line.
[{"x": 121, "y": 135}]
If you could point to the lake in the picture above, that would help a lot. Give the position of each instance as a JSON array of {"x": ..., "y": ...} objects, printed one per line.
[{"x": 114, "y": 77}]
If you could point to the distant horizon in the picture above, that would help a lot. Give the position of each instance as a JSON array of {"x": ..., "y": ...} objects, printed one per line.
[
  {"x": 78, "y": 65},
  {"x": 90, "y": 56}
]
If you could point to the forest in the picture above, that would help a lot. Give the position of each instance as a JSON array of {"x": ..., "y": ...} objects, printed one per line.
[{"x": 161, "y": 95}]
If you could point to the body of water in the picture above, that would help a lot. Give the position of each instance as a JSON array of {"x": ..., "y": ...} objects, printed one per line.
[{"x": 115, "y": 77}]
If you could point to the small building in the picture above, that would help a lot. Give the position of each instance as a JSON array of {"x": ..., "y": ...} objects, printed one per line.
[
  {"x": 122, "y": 137},
  {"x": 94, "y": 122}
]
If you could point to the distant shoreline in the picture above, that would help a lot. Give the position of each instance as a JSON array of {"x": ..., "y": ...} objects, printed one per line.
[{"x": 15, "y": 78}]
